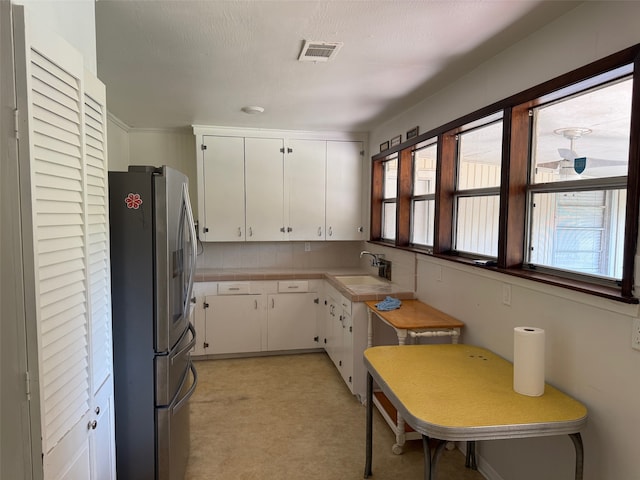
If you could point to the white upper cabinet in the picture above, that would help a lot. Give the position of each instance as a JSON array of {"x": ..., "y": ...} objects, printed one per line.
[
  {"x": 264, "y": 188},
  {"x": 344, "y": 191},
  {"x": 305, "y": 167},
  {"x": 222, "y": 212},
  {"x": 274, "y": 185}
]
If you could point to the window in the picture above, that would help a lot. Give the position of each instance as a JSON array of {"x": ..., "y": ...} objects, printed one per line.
[
  {"x": 546, "y": 183},
  {"x": 424, "y": 193},
  {"x": 477, "y": 195},
  {"x": 577, "y": 205},
  {"x": 390, "y": 192}
]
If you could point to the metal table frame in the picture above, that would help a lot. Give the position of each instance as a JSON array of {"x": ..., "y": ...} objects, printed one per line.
[{"x": 567, "y": 415}]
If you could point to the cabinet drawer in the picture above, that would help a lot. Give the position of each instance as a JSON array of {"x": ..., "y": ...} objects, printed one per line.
[
  {"x": 293, "y": 286},
  {"x": 233, "y": 288}
]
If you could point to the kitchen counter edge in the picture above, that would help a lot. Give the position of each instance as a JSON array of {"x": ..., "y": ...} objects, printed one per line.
[{"x": 355, "y": 294}]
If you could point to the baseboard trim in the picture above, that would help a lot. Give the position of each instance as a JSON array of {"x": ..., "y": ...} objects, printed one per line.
[{"x": 485, "y": 469}]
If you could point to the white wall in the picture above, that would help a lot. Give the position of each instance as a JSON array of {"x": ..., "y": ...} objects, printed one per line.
[
  {"x": 172, "y": 147},
  {"x": 117, "y": 144},
  {"x": 589, "y": 352},
  {"x": 73, "y": 20}
]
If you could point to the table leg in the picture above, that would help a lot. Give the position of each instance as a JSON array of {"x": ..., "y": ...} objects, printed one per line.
[
  {"x": 400, "y": 435},
  {"x": 369, "y": 439},
  {"x": 471, "y": 456},
  {"x": 427, "y": 457},
  {"x": 431, "y": 463},
  {"x": 577, "y": 443},
  {"x": 456, "y": 335}
]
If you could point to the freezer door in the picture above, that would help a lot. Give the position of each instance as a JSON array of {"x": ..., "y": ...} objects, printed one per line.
[
  {"x": 175, "y": 248},
  {"x": 172, "y": 368},
  {"x": 172, "y": 436}
]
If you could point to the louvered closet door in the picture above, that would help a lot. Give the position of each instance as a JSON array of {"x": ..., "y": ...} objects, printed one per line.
[
  {"x": 97, "y": 221},
  {"x": 53, "y": 172}
]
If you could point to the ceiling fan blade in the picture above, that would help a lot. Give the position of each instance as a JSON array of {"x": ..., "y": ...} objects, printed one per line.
[
  {"x": 567, "y": 153},
  {"x": 550, "y": 165},
  {"x": 603, "y": 162}
]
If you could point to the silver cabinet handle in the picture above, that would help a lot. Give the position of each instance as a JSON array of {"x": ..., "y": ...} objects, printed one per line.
[
  {"x": 330, "y": 231},
  {"x": 255, "y": 304},
  {"x": 250, "y": 232},
  {"x": 239, "y": 231},
  {"x": 97, "y": 410},
  {"x": 319, "y": 231},
  {"x": 273, "y": 303},
  {"x": 92, "y": 425}
]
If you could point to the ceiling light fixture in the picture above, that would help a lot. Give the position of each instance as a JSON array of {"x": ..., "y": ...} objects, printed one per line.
[{"x": 252, "y": 109}]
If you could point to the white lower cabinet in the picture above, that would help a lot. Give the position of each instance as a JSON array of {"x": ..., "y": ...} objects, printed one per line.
[
  {"x": 339, "y": 329},
  {"x": 253, "y": 317},
  {"x": 345, "y": 338},
  {"x": 234, "y": 323},
  {"x": 291, "y": 321}
]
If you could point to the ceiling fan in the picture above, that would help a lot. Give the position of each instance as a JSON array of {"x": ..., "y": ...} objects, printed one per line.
[{"x": 570, "y": 159}]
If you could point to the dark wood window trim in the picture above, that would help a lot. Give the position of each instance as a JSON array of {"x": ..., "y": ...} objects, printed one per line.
[{"x": 513, "y": 194}]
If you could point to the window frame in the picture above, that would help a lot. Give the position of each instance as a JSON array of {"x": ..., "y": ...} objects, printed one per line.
[
  {"x": 427, "y": 197},
  {"x": 514, "y": 185},
  {"x": 388, "y": 200},
  {"x": 475, "y": 192}
]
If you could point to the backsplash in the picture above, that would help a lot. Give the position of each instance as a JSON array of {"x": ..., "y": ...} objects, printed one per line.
[{"x": 279, "y": 255}]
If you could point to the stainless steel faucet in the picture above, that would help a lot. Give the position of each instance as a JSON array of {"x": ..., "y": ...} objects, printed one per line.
[{"x": 377, "y": 257}]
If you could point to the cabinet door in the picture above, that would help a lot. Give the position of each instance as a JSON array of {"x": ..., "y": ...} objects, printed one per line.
[
  {"x": 264, "y": 189},
  {"x": 305, "y": 188},
  {"x": 234, "y": 323},
  {"x": 346, "y": 356},
  {"x": 344, "y": 191},
  {"x": 200, "y": 291},
  {"x": 291, "y": 321},
  {"x": 223, "y": 171},
  {"x": 333, "y": 341}
]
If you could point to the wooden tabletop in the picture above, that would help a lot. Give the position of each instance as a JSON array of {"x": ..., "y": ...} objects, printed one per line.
[
  {"x": 415, "y": 315},
  {"x": 464, "y": 392}
]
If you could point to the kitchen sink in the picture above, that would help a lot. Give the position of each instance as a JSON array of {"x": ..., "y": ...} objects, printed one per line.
[{"x": 361, "y": 280}]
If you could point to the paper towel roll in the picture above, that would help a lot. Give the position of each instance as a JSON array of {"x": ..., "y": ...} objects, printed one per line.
[{"x": 528, "y": 361}]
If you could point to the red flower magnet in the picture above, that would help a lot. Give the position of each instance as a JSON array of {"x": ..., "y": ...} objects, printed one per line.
[{"x": 133, "y": 200}]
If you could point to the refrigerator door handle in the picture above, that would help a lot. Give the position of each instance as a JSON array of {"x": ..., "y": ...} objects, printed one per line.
[
  {"x": 183, "y": 401},
  {"x": 194, "y": 247},
  {"x": 190, "y": 345}
]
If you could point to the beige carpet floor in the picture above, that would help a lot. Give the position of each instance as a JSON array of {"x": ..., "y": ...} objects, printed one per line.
[{"x": 292, "y": 417}]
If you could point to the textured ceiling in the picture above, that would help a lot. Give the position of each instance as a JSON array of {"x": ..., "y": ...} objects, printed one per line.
[{"x": 177, "y": 63}]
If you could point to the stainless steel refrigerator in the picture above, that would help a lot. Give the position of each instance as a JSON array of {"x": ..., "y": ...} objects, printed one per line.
[{"x": 153, "y": 253}]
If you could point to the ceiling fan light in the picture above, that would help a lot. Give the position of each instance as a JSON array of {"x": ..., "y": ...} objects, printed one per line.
[{"x": 572, "y": 132}]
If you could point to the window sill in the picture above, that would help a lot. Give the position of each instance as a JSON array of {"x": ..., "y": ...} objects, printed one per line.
[{"x": 610, "y": 293}]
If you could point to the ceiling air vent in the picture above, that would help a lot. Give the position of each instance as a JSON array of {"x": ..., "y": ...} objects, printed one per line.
[{"x": 319, "y": 51}]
